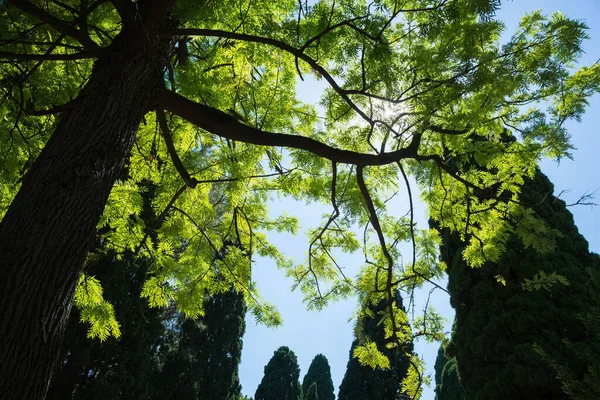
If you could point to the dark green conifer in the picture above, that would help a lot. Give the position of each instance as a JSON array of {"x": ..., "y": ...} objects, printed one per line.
[
  {"x": 365, "y": 383},
  {"x": 312, "y": 392},
  {"x": 526, "y": 326},
  {"x": 319, "y": 374},
  {"x": 280, "y": 381},
  {"x": 205, "y": 363},
  {"x": 447, "y": 381}
]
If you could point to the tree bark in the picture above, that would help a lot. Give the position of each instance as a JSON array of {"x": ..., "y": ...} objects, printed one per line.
[{"x": 46, "y": 232}]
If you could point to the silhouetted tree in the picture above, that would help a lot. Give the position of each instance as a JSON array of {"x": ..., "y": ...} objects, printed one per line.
[
  {"x": 280, "y": 381},
  {"x": 447, "y": 381},
  {"x": 365, "y": 383},
  {"x": 526, "y": 325},
  {"x": 319, "y": 374}
]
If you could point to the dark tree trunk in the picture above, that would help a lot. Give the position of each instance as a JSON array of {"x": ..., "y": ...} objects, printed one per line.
[{"x": 46, "y": 232}]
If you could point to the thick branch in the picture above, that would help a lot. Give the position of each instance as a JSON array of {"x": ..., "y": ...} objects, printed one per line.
[
  {"x": 298, "y": 53},
  {"x": 47, "y": 57},
  {"x": 50, "y": 111},
  {"x": 226, "y": 126},
  {"x": 444, "y": 131},
  {"x": 162, "y": 121},
  {"x": 58, "y": 24}
]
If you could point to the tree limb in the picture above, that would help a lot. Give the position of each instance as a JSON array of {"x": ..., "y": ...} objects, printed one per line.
[
  {"x": 185, "y": 175},
  {"x": 298, "y": 53},
  {"x": 47, "y": 57},
  {"x": 58, "y": 24},
  {"x": 224, "y": 125}
]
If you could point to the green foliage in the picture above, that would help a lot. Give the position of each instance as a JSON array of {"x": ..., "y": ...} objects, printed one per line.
[
  {"x": 541, "y": 280},
  {"x": 447, "y": 380},
  {"x": 368, "y": 354},
  {"x": 378, "y": 368},
  {"x": 311, "y": 393},
  {"x": 94, "y": 310},
  {"x": 317, "y": 383},
  {"x": 160, "y": 355},
  {"x": 429, "y": 79},
  {"x": 280, "y": 381},
  {"x": 114, "y": 369},
  {"x": 537, "y": 329},
  {"x": 202, "y": 362}
]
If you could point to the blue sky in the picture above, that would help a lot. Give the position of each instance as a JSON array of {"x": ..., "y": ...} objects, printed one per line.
[{"x": 330, "y": 331}]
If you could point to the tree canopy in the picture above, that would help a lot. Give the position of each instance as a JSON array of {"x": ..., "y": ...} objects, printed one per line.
[
  {"x": 447, "y": 380},
  {"x": 199, "y": 99},
  {"x": 319, "y": 375},
  {"x": 280, "y": 381},
  {"x": 365, "y": 378},
  {"x": 529, "y": 319},
  {"x": 204, "y": 364}
]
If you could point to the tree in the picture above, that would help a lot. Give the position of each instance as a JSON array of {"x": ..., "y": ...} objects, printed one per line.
[
  {"x": 318, "y": 374},
  {"x": 280, "y": 381},
  {"x": 529, "y": 319},
  {"x": 447, "y": 380},
  {"x": 196, "y": 358},
  {"x": 205, "y": 364},
  {"x": 311, "y": 393},
  {"x": 88, "y": 86},
  {"x": 159, "y": 355},
  {"x": 371, "y": 382},
  {"x": 116, "y": 368}
]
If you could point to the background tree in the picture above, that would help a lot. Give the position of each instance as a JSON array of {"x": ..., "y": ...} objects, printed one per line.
[
  {"x": 311, "y": 393},
  {"x": 447, "y": 380},
  {"x": 120, "y": 368},
  {"x": 160, "y": 354},
  {"x": 319, "y": 374},
  {"x": 366, "y": 382},
  {"x": 208, "y": 352},
  {"x": 280, "y": 381},
  {"x": 527, "y": 319},
  {"x": 86, "y": 85}
]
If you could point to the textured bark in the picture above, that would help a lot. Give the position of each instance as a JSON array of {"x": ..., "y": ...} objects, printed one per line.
[{"x": 46, "y": 232}]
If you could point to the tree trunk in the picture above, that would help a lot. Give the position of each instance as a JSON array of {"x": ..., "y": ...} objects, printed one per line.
[{"x": 46, "y": 232}]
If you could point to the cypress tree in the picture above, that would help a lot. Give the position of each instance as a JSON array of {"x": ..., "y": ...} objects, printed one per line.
[
  {"x": 364, "y": 383},
  {"x": 280, "y": 381},
  {"x": 526, "y": 326},
  {"x": 312, "y": 392},
  {"x": 447, "y": 381},
  {"x": 319, "y": 376},
  {"x": 205, "y": 362}
]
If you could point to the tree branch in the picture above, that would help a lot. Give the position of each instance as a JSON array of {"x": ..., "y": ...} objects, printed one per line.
[
  {"x": 298, "y": 53},
  {"x": 50, "y": 111},
  {"x": 224, "y": 125},
  {"x": 47, "y": 57},
  {"x": 185, "y": 175},
  {"x": 58, "y": 24},
  {"x": 439, "y": 129}
]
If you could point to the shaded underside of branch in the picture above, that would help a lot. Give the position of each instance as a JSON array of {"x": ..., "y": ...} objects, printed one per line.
[{"x": 224, "y": 125}]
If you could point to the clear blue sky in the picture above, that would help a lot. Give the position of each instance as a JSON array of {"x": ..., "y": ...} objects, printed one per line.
[{"x": 330, "y": 332}]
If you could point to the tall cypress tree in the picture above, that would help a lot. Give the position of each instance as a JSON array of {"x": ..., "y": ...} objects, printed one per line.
[
  {"x": 447, "y": 381},
  {"x": 364, "y": 383},
  {"x": 526, "y": 325},
  {"x": 280, "y": 381},
  {"x": 319, "y": 374},
  {"x": 205, "y": 363}
]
